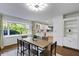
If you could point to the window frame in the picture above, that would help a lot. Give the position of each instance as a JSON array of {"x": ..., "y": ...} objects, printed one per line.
[{"x": 8, "y": 30}]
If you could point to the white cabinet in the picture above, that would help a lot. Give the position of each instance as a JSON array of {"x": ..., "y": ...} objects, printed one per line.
[
  {"x": 71, "y": 33},
  {"x": 78, "y": 44},
  {"x": 9, "y": 40},
  {"x": 68, "y": 42}
]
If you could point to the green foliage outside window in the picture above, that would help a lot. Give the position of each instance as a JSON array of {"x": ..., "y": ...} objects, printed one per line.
[{"x": 17, "y": 28}]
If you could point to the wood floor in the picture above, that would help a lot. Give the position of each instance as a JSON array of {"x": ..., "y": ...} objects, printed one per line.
[
  {"x": 60, "y": 50},
  {"x": 66, "y": 51},
  {"x": 8, "y": 48}
]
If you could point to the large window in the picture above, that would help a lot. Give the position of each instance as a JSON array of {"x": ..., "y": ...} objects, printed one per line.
[{"x": 16, "y": 28}]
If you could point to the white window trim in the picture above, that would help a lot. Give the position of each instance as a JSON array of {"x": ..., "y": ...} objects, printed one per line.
[{"x": 17, "y": 23}]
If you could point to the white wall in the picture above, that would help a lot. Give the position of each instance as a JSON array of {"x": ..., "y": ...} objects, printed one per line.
[
  {"x": 58, "y": 29},
  {"x": 15, "y": 19},
  {"x": 1, "y": 32}
]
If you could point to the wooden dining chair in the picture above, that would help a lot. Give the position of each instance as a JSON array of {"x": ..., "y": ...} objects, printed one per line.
[{"x": 50, "y": 52}]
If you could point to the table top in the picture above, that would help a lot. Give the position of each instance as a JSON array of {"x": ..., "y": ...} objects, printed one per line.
[{"x": 39, "y": 42}]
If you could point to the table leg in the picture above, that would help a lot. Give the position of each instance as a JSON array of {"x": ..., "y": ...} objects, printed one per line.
[{"x": 23, "y": 49}]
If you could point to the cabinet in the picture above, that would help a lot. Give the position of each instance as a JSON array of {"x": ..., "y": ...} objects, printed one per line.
[
  {"x": 71, "y": 33},
  {"x": 9, "y": 40}
]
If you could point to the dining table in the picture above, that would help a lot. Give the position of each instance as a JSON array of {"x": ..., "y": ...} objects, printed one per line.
[{"x": 38, "y": 42}]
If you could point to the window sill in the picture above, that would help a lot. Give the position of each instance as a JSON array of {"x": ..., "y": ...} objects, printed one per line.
[{"x": 13, "y": 35}]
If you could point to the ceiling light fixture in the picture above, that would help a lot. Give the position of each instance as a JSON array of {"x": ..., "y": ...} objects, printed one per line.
[{"x": 37, "y": 6}]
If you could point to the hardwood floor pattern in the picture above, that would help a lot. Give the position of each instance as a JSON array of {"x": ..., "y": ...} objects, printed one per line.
[
  {"x": 66, "y": 51},
  {"x": 8, "y": 48},
  {"x": 60, "y": 50}
]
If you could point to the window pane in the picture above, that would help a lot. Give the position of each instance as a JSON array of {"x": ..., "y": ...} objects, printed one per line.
[
  {"x": 5, "y": 32},
  {"x": 5, "y": 28},
  {"x": 17, "y": 29}
]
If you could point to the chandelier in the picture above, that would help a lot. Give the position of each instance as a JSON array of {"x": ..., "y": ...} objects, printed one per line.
[{"x": 37, "y": 6}]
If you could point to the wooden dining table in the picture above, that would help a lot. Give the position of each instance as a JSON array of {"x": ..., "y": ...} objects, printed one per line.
[{"x": 42, "y": 43}]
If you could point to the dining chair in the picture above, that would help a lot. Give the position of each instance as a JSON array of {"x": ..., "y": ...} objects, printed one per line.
[
  {"x": 22, "y": 47},
  {"x": 26, "y": 47},
  {"x": 37, "y": 50},
  {"x": 19, "y": 47},
  {"x": 33, "y": 47},
  {"x": 50, "y": 52},
  {"x": 33, "y": 50}
]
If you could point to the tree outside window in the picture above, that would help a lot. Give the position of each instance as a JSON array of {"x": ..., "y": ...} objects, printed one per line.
[{"x": 15, "y": 28}]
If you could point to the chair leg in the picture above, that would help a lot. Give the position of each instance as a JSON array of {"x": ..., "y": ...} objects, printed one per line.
[
  {"x": 0, "y": 51},
  {"x": 17, "y": 49},
  {"x": 37, "y": 51},
  {"x": 23, "y": 49},
  {"x": 29, "y": 50},
  {"x": 51, "y": 50},
  {"x": 55, "y": 48},
  {"x": 55, "y": 51}
]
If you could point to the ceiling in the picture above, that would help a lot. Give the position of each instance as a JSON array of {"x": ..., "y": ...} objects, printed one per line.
[{"x": 53, "y": 9}]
